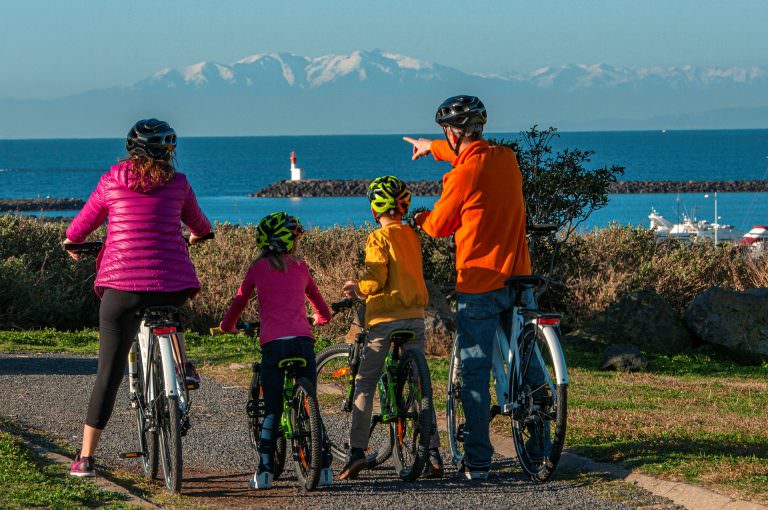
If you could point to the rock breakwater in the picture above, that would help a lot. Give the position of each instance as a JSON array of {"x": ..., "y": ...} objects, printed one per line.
[
  {"x": 358, "y": 187},
  {"x": 40, "y": 204}
]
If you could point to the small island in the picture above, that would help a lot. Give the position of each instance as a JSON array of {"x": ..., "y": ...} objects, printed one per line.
[{"x": 40, "y": 204}]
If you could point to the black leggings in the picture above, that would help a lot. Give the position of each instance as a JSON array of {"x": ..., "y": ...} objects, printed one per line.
[{"x": 118, "y": 324}]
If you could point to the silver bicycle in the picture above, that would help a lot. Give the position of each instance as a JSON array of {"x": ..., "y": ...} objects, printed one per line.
[{"x": 530, "y": 379}]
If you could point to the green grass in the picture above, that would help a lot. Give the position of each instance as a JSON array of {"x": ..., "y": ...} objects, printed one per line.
[{"x": 28, "y": 480}]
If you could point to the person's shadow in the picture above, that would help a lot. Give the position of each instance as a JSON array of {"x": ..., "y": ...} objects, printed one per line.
[{"x": 47, "y": 365}]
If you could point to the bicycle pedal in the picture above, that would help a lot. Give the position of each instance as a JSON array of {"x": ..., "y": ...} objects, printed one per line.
[{"x": 131, "y": 455}]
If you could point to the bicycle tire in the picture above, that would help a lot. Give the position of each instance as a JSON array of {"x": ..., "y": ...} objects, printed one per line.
[
  {"x": 255, "y": 420},
  {"x": 168, "y": 416},
  {"x": 307, "y": 441},
  {"x": 543, "y": 406},
  {"x": 148, "y": 439},
  {"x": 413, "y": 427},
  {"x": 454, "y": 407},
  {"x": 331, "y": 391}
]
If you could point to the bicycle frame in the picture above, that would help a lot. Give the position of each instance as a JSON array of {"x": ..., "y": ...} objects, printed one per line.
[
  {"x": 149, "y": 340},
  {"x": 507, "y": 356},
  {"x": 286, "y": 428}
]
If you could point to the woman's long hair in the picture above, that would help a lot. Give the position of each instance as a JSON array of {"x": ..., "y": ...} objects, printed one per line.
[{"x": 151, "y": 173}]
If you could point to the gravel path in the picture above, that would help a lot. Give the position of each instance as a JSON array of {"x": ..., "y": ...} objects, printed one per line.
[{"x": 50, "y": 393}]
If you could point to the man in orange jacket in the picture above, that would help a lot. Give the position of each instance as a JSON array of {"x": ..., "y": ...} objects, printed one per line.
[{"x": 482, "y": 205}]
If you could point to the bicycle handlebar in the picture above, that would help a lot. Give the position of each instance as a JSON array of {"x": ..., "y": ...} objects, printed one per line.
[
  {"x": 94, "y": 247},
  {"x": 86, "y": 248}
]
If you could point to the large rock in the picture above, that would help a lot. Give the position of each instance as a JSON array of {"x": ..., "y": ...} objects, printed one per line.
[
  {"x": 737, "y": 321},
  {"x": 644, "y": 319},
  {"x": 623, "y": 358}
]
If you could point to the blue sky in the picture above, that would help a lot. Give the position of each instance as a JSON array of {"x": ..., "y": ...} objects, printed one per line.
[{"x": 52, "y": 48}]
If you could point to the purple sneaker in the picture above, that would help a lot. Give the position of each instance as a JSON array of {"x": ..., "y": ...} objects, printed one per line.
[{"x": 82, "y": 466}]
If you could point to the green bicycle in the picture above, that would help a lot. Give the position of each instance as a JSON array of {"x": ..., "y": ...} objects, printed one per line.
[
  {"x": 404, "y": 408},
  {"x": 300, "y": 421}
]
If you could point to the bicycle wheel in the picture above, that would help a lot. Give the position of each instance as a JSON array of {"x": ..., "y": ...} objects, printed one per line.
[
  {"x": 168, "y": 416},
  {"x": 539, "y": 425},
  {"x": 413, "y": 427},
  {"x": 255, "y": 411},
  {"x": 147, "y": 438},
  {"x": 332, "y": 388},
  {"x": 307, "y": 441},
  {"x": 454, "y": 408}
]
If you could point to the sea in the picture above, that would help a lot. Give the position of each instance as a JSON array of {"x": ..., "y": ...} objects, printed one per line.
[{"x": 224, "y": 170}]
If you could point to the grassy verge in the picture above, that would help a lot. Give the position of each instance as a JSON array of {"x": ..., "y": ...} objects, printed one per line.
[
  {"x": 695, "y": 418},
  {"x": 28, "y": 480}
]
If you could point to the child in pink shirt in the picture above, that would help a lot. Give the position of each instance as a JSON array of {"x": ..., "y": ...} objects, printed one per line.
[{"x": 282, "y": 282}]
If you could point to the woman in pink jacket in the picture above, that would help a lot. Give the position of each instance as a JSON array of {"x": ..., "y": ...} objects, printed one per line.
[{"x": 144, "y": 260}]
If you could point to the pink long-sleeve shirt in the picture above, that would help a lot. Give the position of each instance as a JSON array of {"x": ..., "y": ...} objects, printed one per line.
[{"x": 280, "y": 297}]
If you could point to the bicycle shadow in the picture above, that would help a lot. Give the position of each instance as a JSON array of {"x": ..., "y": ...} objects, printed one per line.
[{"x": 47, "y": 365}]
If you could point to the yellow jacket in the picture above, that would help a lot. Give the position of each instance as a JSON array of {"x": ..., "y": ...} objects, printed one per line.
[{"x": 393, "y": 283}]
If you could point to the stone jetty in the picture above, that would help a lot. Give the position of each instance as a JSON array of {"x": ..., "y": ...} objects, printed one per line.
[
  {"x": 358, "y": 187},
  {"x": 40, "y": 204}
]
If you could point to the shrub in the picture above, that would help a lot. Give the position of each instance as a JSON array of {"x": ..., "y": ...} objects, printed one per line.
[{"x": 41, "y": 287}]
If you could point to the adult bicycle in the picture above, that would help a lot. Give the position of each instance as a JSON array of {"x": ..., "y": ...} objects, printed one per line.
[
  {"x": 402, "y": 419},
  {"x": 530, "y": 378},
  {"x": 158, "y": 392},
  {"x": 300, "y": 421}
]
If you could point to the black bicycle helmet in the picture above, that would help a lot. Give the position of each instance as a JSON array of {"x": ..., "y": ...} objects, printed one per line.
[
  {"x": 151, "y": 138},
  {"x": 461, "y": 112}
]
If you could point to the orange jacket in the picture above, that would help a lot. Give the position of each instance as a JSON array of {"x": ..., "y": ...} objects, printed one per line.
[{"x": 482, "y": 202}]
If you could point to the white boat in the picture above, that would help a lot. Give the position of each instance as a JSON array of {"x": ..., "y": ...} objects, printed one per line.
[
  {"x": 690, "y": 228},
  {"x": 757, "y": 236}
]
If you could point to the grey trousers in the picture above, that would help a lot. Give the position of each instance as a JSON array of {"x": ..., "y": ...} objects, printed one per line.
[{"x": 369, "y": 372}]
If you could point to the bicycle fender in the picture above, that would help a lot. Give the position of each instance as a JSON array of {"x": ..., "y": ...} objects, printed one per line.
[
  {"x": 561, "y": 371},
  {"x": 169, "y": 366}
]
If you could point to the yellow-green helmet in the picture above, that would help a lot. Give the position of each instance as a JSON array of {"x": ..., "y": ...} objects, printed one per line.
[
  {"x": 278, "y": 232},
  {"x": 388, "y": 193}
]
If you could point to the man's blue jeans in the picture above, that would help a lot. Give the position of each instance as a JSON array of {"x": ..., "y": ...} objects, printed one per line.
[{"x": 478, "y": 316}]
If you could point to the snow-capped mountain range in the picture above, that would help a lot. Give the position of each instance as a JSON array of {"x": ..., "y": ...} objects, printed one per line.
[{"x": 379, "y": 91}]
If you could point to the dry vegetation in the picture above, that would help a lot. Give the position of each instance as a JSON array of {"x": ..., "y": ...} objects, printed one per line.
[{"x": 43, "y": 288}]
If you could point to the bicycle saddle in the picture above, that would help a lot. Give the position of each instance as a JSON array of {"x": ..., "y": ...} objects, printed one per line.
[
  {"x": 288, "y": 363},
  {"x": 401, "y": 336},
  {"x": 533, "y": 280}
]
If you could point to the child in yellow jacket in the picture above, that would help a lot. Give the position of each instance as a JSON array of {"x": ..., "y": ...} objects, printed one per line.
[{"x": 395, "y": 296}]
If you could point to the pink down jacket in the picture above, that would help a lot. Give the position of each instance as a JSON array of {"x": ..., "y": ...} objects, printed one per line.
[{"x": 144, "y": 250}]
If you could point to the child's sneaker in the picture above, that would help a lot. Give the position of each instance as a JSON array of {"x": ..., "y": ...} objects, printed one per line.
[
  {"x": 433, "y": 467},
  {"x": 261, "y": 480},
  {"x": 82, "y": 466},
  {"x": 356, "y": 462},
  {"x": 326, "y": 477}
]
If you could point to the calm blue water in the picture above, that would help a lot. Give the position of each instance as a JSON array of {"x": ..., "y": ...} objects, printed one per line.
[{"x": 224, "y": 170}]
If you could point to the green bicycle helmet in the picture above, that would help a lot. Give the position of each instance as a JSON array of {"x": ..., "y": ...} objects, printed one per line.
[
  {"x": 388, "y": 194},
  {"x": 277, "y": 232}
]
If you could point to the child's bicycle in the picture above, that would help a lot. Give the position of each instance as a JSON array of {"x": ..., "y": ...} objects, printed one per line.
[
  {"x": 299, "y": 422},
  {"x": 404, "y": 408}
]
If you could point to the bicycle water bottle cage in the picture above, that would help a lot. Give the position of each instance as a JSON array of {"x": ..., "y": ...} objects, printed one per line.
[
  {"x": 292, "y": 363},
  {"x": 401, "y": 336}
]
